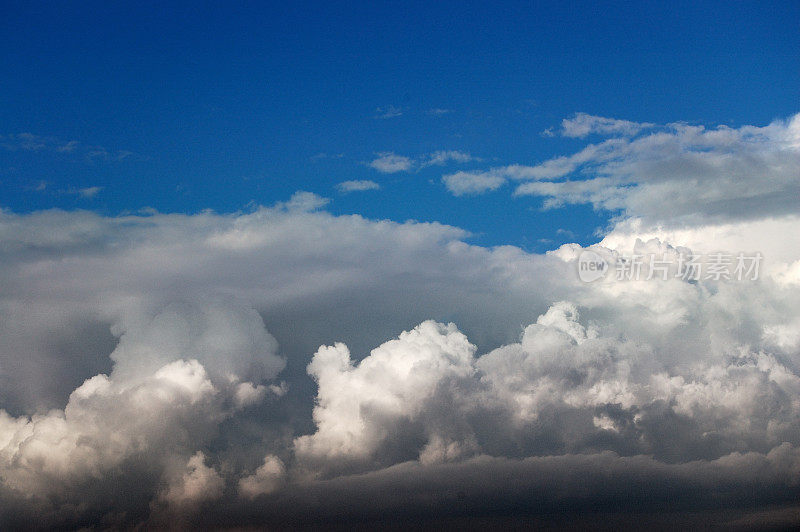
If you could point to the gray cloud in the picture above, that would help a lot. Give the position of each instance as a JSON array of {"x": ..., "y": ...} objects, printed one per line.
[{"x": 177, "y": 348}]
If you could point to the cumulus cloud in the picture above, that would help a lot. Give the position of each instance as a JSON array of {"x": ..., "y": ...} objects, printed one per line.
[
  {"x": 357, "y": 186},
  {"x": 269, "y": 477},
  {"x": 196, "y": 484},
  {"x": 266, "y": 367},
  {"x": 388, "y": 163}
]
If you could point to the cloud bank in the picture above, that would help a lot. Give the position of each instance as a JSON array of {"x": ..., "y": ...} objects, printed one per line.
[{"x": 289, "y": 367}]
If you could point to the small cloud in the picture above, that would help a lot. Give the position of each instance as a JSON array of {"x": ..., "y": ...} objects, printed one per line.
[
  {"x": 303, "y": 201},
  {"x": 24, "y": 142},
  {"x": 357, "y": 186},
  {"x": 388, "y": 112},
  {"x": 69, "y": 147},
  {"x": 323, "y": 155},
  {"x": 583, "y": 124},
  {"x": 467, "y": 183},
  {"x": 38, "y": 143},
  {"x": 89, "y": 192},
  {"x": 389, "y": 163},
  {"x": 443, "y": 157},
  {"x": 439, "y": 112}
]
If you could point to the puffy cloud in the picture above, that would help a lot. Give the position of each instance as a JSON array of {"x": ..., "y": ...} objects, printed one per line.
[
  {"x": 269, "y": 477},
  {"x": 389, "y": 163},
  {"x": 357, "y": 406},
  {"x": 196, "y": 484},
  {"x": 145, "y": 343},
  {"x": 563, "y": 388}
]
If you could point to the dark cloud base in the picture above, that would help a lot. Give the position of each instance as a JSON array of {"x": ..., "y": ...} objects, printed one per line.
[{"x": 596, "y": 491}]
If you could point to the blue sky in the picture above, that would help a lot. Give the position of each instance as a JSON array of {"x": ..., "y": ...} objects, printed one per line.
[{"x": 187, "y": 107}]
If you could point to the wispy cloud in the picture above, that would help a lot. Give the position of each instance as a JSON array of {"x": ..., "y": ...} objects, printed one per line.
[
  {"x": 88, "y": 192},
  {"x": 322, "y": 155},
  {"x": 672, "y": 171},
  {"x": 388, "y": 112},
  {"x": 436, "y": 111},
  {"x": 37, "y": 143},
  {"x": 583, "y": 124},
  {"x": 390, "y": 162},
  {"x": 357, "y": 186},
  {"x": 442, "y": 157}
]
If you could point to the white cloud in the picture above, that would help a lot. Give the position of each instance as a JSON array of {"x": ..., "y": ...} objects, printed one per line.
[
  {"x": 388, "y": 163},
  {"x": 357, "y": 186},
  {"x": 583, "y": 124},
  {"x": 465, "y": 183},
  {"x": 675, "y": 175},
  {"x": 442, "y": 157},
  {"x": 683, "y": 174},
  {"x": 304, "y": 202}
]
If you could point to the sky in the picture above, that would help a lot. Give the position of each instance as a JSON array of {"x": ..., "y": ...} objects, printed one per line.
[
  {"x": 182, "y": 108},
  {"x": 474, "y": 265}
]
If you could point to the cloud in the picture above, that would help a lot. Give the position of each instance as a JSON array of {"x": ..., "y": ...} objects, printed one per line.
[
  {"x": 676, "y": 175},
  {"x": 438, "y": 111},
  {"x": 583, "y": 124},
  {"x": 357, "y": 186},
  {"x": 28, "y": 142},
  {"x": 465, "y": 183},
  {"x": 198, "y": 483},
  {"x": 271, "y": 366},
  {"x": 269, "y": 477},
  {"x": 442, "y": 157},
  {"x": 389, "y": 163},
  {"x": 304, "y": 202},
  {"x": 684, "y": 174},
  {"x": 89, "y": 192},
  {"x": 388, "y": 112}
]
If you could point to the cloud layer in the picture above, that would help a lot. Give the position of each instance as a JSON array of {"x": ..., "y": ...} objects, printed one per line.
[{"x": 289, "y": 367}]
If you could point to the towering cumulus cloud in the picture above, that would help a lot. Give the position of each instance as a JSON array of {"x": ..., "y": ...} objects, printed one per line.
[{"x": 290, "y": 367}]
